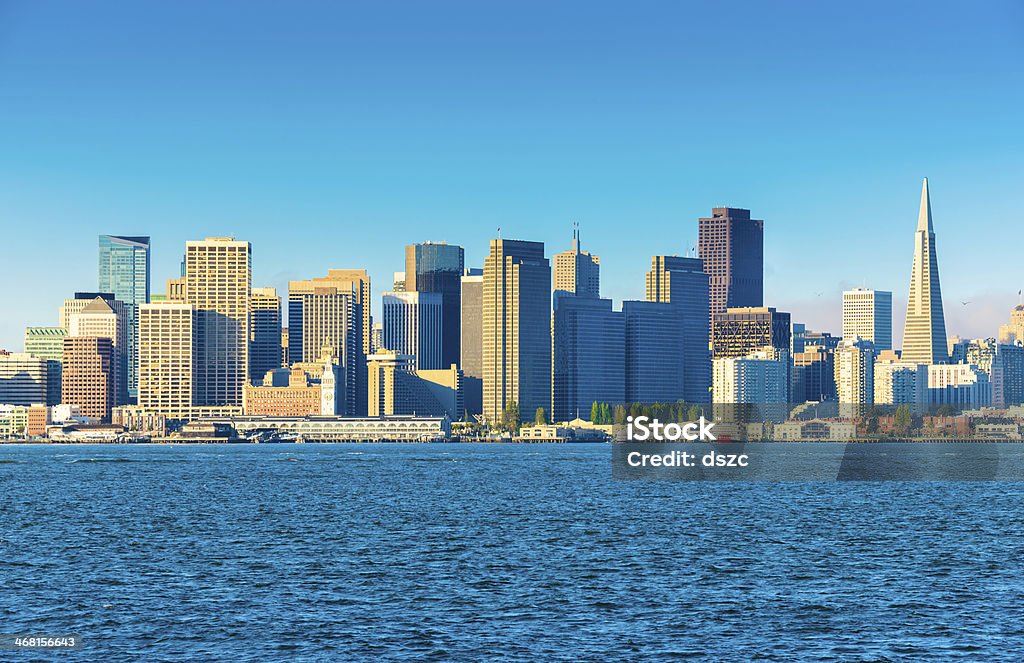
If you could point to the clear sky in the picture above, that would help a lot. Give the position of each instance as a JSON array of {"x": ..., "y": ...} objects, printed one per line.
[{"x": 332, "y": 134}]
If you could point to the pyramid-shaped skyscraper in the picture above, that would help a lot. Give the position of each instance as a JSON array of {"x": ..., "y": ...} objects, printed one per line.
[{"x": 924, "y": 336}]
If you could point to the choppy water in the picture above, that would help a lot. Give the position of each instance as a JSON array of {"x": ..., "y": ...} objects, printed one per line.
[{"x": 523, "y": 553}]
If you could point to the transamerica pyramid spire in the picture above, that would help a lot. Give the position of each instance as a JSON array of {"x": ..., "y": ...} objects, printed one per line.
[{"x": 924, "y": 335}]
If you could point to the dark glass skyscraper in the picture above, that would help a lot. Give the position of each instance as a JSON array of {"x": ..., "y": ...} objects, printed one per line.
[
  {"x": 124, "y": 271},
  {"x": 731, "y": 244},
  {"x": 437, "y": 267}
]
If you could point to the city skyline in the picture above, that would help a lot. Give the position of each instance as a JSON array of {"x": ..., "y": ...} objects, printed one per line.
[
  {"x": 959, "y": 318},
  {"x": 314, "y": 123}
]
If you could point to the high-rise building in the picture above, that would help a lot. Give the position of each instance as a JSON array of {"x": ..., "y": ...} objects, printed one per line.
[
  {"x": 398, "y": 282},
  {"x": 124, "y": 271},
  {"x": 376, "y": 337},
  {"x": 218, "y": 283},
  {"x": 88, "y": 379},
  {"x": 437, "y": 267},
  {"x": 516, "y": 328},
  {"x": 329, "y": 322},
  {"x": 166, "y": 358},
  {"x": 960, "y": 385},
  {"x": 760, "y": 378},
  {"x": 98, "y": 319},
  {"x": 868, "y": 314},
  {"x": 471, "y": 352},
  {"x": 739, "y": 331},
  {"x": 684, "y": 283},
  {"x": 356, "y": 283},
  {"x": 1012, "y": 357},
  {"x": 576, "y": 271},
  {"x": 397, "y": 388},
  {"x": 655, "y": 359},
  {"x": 731, "y": 244},
  {"x": 48, "y": 343},
  {"x": 924, "y": 336},
  {"x": 23, "y": 378},
  {"x": 284, "y": 347},
  {"x": 414, "y": 325},
  {"x": 124, "y": 268},
  {"x": 855, "y": 376},
  {"x": 813, "y": 378},
  {"x": 1013, "y": 331},
  {"x": 45, "y": 342},
  {"x": 588, "y": 355},
  {"x": 264, "y": 333},
  {"x": 897, "y": 382}
]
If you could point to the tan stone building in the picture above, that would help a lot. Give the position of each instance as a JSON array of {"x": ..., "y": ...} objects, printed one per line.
[{"x": 301, "y": 398}]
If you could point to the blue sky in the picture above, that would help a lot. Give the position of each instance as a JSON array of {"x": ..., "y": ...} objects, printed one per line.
[{"x": 331, "y": 134}]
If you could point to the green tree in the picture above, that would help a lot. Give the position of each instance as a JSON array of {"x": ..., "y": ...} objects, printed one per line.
[
  {"x": 620, "y": 414},
  {"x": 510, "y": 417},
  {"x": 540, "y": 417},
  {"x": 595, "y": 413},
  {"x": 693, "y": 414},
  {"x": 903, "y": 419}
]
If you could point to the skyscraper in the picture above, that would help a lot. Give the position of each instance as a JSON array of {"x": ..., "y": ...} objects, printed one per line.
[
  {"x": 264, "y": 333},
  {"x": 516, "y": 328},
  {"x": 588, "y": 355},
  {"x": 218, "y": 282},
  {"x": 868, "y": 314},
  {"x": 855, "y": 376},
  {"x": 576, "y": 271},
  {"x": 1013, "y": 331},
  {"x": 356, "y": 284},
  {"x": 98, "y": 319},
  {"x": 88, "y": 376},
  {"x": 739, "y": 331},
  {"x": 924, "y": 336},
  {"x": 325, "y": 320},
  {"x": 414, "y": 325},
  {"x": 124, "y": 272},
  {"x": 731, "y": 244},
  {"x": 758, "y": 378},
  {"x": 166, "y": 365},
  {"x": 472, "y": 361},
  {"x": 655, "y": 359},
  {"x": 684, "y": 283},
  {"x": 437, "y": 267}
]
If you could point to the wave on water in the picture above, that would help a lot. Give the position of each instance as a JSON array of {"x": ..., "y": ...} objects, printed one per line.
[{"x": 103, "y": 460}]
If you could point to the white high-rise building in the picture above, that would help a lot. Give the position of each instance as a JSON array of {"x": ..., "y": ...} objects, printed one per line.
[
  {"x": 855, "y": 374},
  {"x": 413, "y": 326},
  {"x": 868, "y": 314},
  {"x": 898, "y": 383},
  {"x": 761, "y": 377}
]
